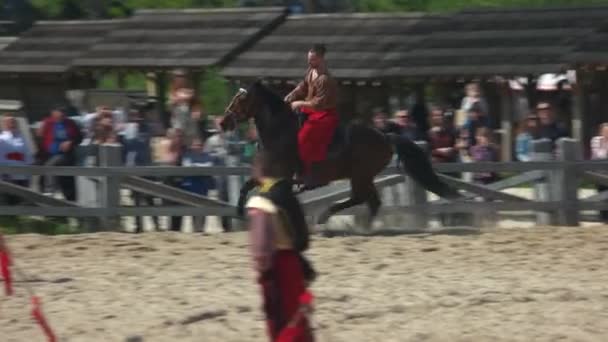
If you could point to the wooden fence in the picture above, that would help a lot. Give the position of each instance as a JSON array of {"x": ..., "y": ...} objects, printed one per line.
[{"x": 554, "y": 176}]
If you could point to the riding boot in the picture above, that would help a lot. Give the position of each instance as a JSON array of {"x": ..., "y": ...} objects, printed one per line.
[{"x": 311, "y": 180}]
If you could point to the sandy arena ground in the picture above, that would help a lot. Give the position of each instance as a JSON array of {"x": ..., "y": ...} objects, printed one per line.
[{"x": 541, "y": 284}]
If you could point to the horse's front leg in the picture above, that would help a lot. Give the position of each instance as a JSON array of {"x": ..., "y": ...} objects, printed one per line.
[{"x": 245, "y": 189}]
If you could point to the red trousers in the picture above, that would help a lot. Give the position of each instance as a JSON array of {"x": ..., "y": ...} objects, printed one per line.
[
  {"x": 315, "y": 135},
  {"x": 281, "y": 287}
]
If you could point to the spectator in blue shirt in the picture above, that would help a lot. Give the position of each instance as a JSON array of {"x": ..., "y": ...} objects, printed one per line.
[
  {"x": 523, "y": 141},
  {"x": 196, "y": 156}
]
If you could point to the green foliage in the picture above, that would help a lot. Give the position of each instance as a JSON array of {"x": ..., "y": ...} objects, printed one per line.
[
  {"x": 455, "y": 5},
  {"x": 214, "y": 92},
  {"x": 51, "y": 8},
  {"x": 24, "y": 225},
  {"x": 133, "y": 81},
  {"x": 58, "y": 9}
]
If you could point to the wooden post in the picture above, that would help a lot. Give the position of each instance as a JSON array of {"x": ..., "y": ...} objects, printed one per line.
[
  {"x": 161, "y": 99},
  {"x": 121, "y": 80},
  {"x": 565, "y": 182},
  {"x": 578, "y": 109},
  {"x": 506, "y": 122},
  {"x": 542, "y": 150},
  {"x": 110, "y": 155},
  {"x": 87, "y": 188}
]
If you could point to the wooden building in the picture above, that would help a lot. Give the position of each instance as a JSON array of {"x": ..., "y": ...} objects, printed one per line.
[
  {"x": 494, "y": 44},
  {"x": 36, "y": 67},
  {"x": 378, "y": 56}
]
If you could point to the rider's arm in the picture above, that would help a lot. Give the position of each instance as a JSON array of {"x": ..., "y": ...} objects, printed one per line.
[{"x": 298, "y": 93}]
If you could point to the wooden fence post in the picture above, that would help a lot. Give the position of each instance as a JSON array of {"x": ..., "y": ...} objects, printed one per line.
[
  {"x": 87, "y": 188},
  {"x": 110, "y": 155},
  {"x": 565, "y": 182},
  {"x": 542, "y": 150}
]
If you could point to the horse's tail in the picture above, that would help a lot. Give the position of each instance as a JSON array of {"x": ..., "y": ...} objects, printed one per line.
[{"x": 417, "y": 164}]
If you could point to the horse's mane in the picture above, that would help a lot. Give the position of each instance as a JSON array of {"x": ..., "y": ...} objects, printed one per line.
[{"x": 275, "y": 103}]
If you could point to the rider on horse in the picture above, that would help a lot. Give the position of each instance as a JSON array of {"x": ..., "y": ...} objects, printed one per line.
[{"x": 316, "y": 97}]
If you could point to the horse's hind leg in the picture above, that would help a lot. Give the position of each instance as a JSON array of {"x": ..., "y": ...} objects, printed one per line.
[
  {"x": 337, "y": 207},
  {"x": 360, "y": 193},
  {"x": 373, "y": 203}
]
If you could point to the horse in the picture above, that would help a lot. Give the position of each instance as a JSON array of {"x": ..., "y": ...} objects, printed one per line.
[{"x": 360, "y": 156}]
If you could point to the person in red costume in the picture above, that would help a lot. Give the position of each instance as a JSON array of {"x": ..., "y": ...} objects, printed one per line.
[
  {"x": 315, "y": 97},
  {"x": 278, "y": 236}
]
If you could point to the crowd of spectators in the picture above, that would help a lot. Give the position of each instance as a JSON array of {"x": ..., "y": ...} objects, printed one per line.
[
  {"x": 192, "y": 137},
  {"x": 466, "y": 134}
]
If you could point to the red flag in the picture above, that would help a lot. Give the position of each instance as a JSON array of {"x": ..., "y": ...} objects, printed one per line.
[
  {"x": 5, "y": 263},
  {"x": 39, "y": 317}
]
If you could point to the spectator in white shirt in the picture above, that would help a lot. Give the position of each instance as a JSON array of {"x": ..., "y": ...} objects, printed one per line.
[
  {"x": 599, "y": 151},
  {"x": 14, "y": 151}
]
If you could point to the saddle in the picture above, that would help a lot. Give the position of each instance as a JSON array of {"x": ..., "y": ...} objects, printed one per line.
[{"x": 338, "y": 142}]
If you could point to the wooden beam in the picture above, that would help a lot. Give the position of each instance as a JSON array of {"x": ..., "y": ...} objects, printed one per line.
[
  {"x": 510, "y": 182},
  {"x": 121, "y": 211},
  {"x": 33, "y": 196},
  {"x": 336, "y": 195},
  {"x": 598, "y": 178},
  {"x": 481, "y": 190},
  {"x": 171, "y": 193},
  {"x": 599, "y": 197}
]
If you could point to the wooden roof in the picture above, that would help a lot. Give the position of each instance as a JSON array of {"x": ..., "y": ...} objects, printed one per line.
[
  {"x": 477, "y": 42},
  {"x": 192, "y": 38},
  {"x": 359, "y": 45},
  {"x": 5, "y": 41},
  {"x": 592, "y": 49},
  {"x": 51, "y": 46},
  {"x": 501, "y": 42}
]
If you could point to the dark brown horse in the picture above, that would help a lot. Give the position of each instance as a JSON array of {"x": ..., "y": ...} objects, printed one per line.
[{"x": 363, "y": 153}]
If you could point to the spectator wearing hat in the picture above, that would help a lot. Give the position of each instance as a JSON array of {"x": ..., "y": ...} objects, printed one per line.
[
  {"x": 59, "y": 137},
  {"x": 549, "y": 128}
]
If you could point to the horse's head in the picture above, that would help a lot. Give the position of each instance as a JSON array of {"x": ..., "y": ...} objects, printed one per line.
[{"x": 238, "y": 110}]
